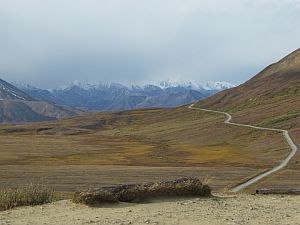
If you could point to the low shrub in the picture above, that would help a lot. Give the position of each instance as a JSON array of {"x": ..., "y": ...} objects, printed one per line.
[
  {"x": 29, "y": 195},
  {"x": 141, "y": 192},
  {"x": 93, "y": 198}
]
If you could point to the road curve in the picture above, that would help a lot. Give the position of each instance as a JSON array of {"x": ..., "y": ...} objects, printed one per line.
[{"x": 282, "y": 164}]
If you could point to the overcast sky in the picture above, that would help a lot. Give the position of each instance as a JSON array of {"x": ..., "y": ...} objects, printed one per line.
[{"x": 53, "y": 42}]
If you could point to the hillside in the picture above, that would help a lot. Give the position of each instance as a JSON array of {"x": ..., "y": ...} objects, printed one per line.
[
  {"x": 18, "y": 112},
  {"x": 269, "y": 99},
  {"x": 18, "y": 107},
  {"x": 10, "y": 92}
]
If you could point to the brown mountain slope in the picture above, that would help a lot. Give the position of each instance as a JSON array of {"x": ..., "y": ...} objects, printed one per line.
[
  {"x": 18, "y": 107},
  {"x": 270, "y": 99},
  {"x": 18, "y": 112}
]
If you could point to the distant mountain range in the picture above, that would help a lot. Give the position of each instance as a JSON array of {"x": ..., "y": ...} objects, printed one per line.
[
  {"x": 113, "y": 96},
  {"x": 21, "y": 103}
]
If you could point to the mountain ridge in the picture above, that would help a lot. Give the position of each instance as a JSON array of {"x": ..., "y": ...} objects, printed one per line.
[
  {"x": 16, "y": 106},
  {"x": 113, "y": 96},
  {"x": 8, "y": 91}
]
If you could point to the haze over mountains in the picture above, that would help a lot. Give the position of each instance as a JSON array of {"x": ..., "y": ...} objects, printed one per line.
[
  {"x": 106, "y": 97},
  {"x": 29, "y": 104}
]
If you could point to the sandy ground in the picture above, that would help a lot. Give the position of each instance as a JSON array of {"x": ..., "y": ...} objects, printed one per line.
[{"x": 241, "y": 209}]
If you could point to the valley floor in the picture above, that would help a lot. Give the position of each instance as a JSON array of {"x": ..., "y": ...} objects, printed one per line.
[{"x": 240, "y": 209}]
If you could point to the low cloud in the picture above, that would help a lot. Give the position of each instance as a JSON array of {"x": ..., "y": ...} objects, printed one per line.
[{"x": 49, "y": 43}]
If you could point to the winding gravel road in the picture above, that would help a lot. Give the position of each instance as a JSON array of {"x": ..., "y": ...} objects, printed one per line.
[{"x": 282, "y": 164}]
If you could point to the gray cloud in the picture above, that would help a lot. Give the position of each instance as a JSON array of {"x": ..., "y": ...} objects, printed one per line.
[{"x": 52, "y": 42}]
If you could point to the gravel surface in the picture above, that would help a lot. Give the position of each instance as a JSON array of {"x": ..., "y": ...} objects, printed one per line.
[{"x": 239, "y": 209}]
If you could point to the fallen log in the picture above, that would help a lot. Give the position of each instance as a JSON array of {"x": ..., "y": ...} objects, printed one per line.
[{"x": 141, "y": 192}]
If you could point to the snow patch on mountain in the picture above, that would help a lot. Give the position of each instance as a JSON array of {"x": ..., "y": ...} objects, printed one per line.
[
  {"x": 210, "y": 85},
  {"x": 170, "y": 83},
  {"x": 23, "y": 86},
  {"x": 218, "y": 85}
]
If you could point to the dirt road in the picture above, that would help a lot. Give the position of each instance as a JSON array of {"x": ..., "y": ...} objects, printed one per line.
[{"x": 282, "y": 163}]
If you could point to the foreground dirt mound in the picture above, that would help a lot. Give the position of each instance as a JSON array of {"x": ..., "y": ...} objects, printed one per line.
[{"x": 141, "y": 192}]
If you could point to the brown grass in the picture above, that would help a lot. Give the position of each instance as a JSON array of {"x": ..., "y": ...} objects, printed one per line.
[
  {"x": 141, "y": 192},
  {"x": 165, "y": 138},
  {"x": 270, "y": 99},
  {"x": 29, "y": 195}
]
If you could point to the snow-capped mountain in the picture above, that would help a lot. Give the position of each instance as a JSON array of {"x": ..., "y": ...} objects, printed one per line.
[
  {"x": 217, "y": 86},
  {"x": 170, "y": 83},
  {"x": 113, "y": 96},
  {"x": 211, "y": 85},
  {"x": 25, "y": 86},
  {"x": 178, "y": 83}
]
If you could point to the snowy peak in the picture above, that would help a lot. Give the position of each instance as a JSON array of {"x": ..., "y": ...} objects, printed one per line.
[
  {"x": 178, "y": 83},
  {"x": 79, "y": 84},
  {"x": 23, "y": 86},
  {"x": 209, "y": 86},
  {"x": 87, "y": 86},
  {"x": 214, "y": 86},
  {"x": 217, "y": 86}
]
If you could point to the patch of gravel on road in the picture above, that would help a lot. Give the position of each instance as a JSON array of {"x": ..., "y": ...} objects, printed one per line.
[{"x": 239, "y": 209}]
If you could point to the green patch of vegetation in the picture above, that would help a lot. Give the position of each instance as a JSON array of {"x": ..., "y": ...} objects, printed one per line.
[
  {"x": 248, "y": 105},
  {"x": 289, "y": 93},
  {"x": 282, "y": 118},
  {"x": 266, "y": 100},
  {"x": 29, "y": 195}
]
